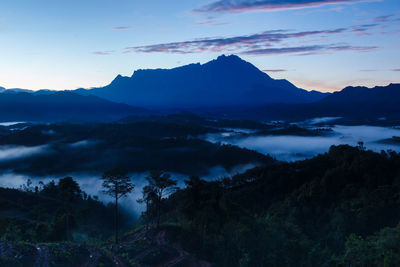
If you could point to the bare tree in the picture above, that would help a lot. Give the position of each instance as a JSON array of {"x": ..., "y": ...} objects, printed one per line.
[{"x": 117, "y": 184}]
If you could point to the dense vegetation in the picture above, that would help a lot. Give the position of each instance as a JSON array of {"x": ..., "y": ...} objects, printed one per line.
[
  {"x": 340, "y": 208},
  {"x": 183, "y": 118},
  {"x": 336, "y": 209},
  {"x": 56, "y": 211},
  {"x": 136, "y": 147}
]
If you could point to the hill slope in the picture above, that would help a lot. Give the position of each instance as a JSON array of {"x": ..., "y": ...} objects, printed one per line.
[
  {"x": 357, "y": 103},
  {"x": 59, "y": 106},
  {"x": 336, "y": 209}
]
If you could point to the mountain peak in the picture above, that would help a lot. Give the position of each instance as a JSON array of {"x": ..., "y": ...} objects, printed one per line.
[
  {"x": 229, "y": 57},
  {"x": 234, "y": 64},
  {"x": 119, "y": 79}
]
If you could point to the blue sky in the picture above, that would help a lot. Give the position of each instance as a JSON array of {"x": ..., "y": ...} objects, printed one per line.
[{"x": 316, "y": 44}]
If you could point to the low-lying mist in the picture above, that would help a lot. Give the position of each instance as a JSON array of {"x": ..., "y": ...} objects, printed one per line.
[
  {"x": 9, "y": 153},
  {"x": 282, "y": 147},
  {"x": 10, "y": 123},
  {"x": 92, "y": 183},
  {"x": 292, "y": 147}
]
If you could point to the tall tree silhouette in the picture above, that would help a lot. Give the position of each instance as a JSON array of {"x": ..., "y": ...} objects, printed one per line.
[
  {"x": 161, "y": 185},
  {"x": 69, "y": 191},
  {"x": 117, "y": 184},
  {"x": 149, "y": 197}
]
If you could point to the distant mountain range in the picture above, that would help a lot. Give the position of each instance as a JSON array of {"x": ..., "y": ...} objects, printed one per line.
[
  {"x": 355, "y": 103},
  {"x": 225, "y": 82},
  {"x": 226, "y": 87},
  {"x": 61, "y": 106},
  {"x": 17, "y": 90}
]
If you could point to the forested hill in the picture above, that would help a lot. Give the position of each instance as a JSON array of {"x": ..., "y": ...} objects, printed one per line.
[
  {"x": 61, "y": 106},
  {"x": 336, "y": 209},
  {"x": 362, "y": 104}
]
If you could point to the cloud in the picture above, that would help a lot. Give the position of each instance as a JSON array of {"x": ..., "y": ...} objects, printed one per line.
[
  {"x": 266, "y": 38},
  {"x": 309, "y": 50},
  {"x": 275, "y": 70},
  {"x": 362, "y": 29},
  {"x": 211, "y": 21},
  {"x": 384, "y": 18},
  {"x": 373, "y": 70},
  {"x": 268, "y": 42},
  {"x": 223, "y": 6},
  {"x": 369, "y": 70},
  {"x": 103, "y": 53},
  {"x": 122, "y": 28}
]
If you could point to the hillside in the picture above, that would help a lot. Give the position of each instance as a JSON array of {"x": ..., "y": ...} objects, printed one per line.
[
  {"x": 137, "y": 147},
  {"x": 61, "y": 106},
  {"x": 57, "y": 224},
  {"x": 358, "y": 104},
  {"x": 336, "y": 209}
]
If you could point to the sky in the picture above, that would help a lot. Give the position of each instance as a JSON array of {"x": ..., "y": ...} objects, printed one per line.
[{"x": 322, "y": 45}]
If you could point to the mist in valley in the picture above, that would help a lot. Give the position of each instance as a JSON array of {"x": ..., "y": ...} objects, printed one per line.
[
  {"x": 11, "y": 152},
  {"x": 91, "y": 183},
  {"x": 292, "y": 147},
  {"x": 281, "y": 147}
]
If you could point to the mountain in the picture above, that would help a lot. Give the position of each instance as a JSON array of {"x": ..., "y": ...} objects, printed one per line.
[
  {"x": 356, "y": 103},
  {"x": 226, "y": 81},
  {"x": 61, "y": 106},
  {"x": 226, "y": 87},
  {"x": 15, "y": 90},
  {"x": 379, "y": 95}
]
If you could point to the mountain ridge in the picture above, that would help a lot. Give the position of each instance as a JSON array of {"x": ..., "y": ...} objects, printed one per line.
[
  {"x": 353, "y": 94},
  {"x": 225, "y": 81},
  {"x": 362, "y": 104},
  {"x": 224, "y": 87},
  {"x": 61, "y": 106}
]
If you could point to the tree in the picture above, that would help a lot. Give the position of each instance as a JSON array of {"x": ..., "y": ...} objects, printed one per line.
[
  {"x": 69, "y": 191},
  {"x": 361, "y": 146},
  {"x": 149, "y": 197},
  {"x": 117, "y": 184},
  {"x": 161, "y": 185},
  {"x": 27, "y": 187},
  {"x": 194, "y": 185}
]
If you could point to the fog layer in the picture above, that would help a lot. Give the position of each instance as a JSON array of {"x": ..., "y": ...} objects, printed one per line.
[
  {"x": 291, "y": 147},
  {"x": 92, "y": 183},
  {"x": 8, "y": 153}
]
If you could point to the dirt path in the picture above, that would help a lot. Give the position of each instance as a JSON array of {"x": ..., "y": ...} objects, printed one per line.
[
  {"x": 43, "y": 256},
  {"x": 93, "y": 258},
  {"x": 183, "y": 257},
  {"x": 118, "y": 262},
  {"x": 160, "y": 238}
]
